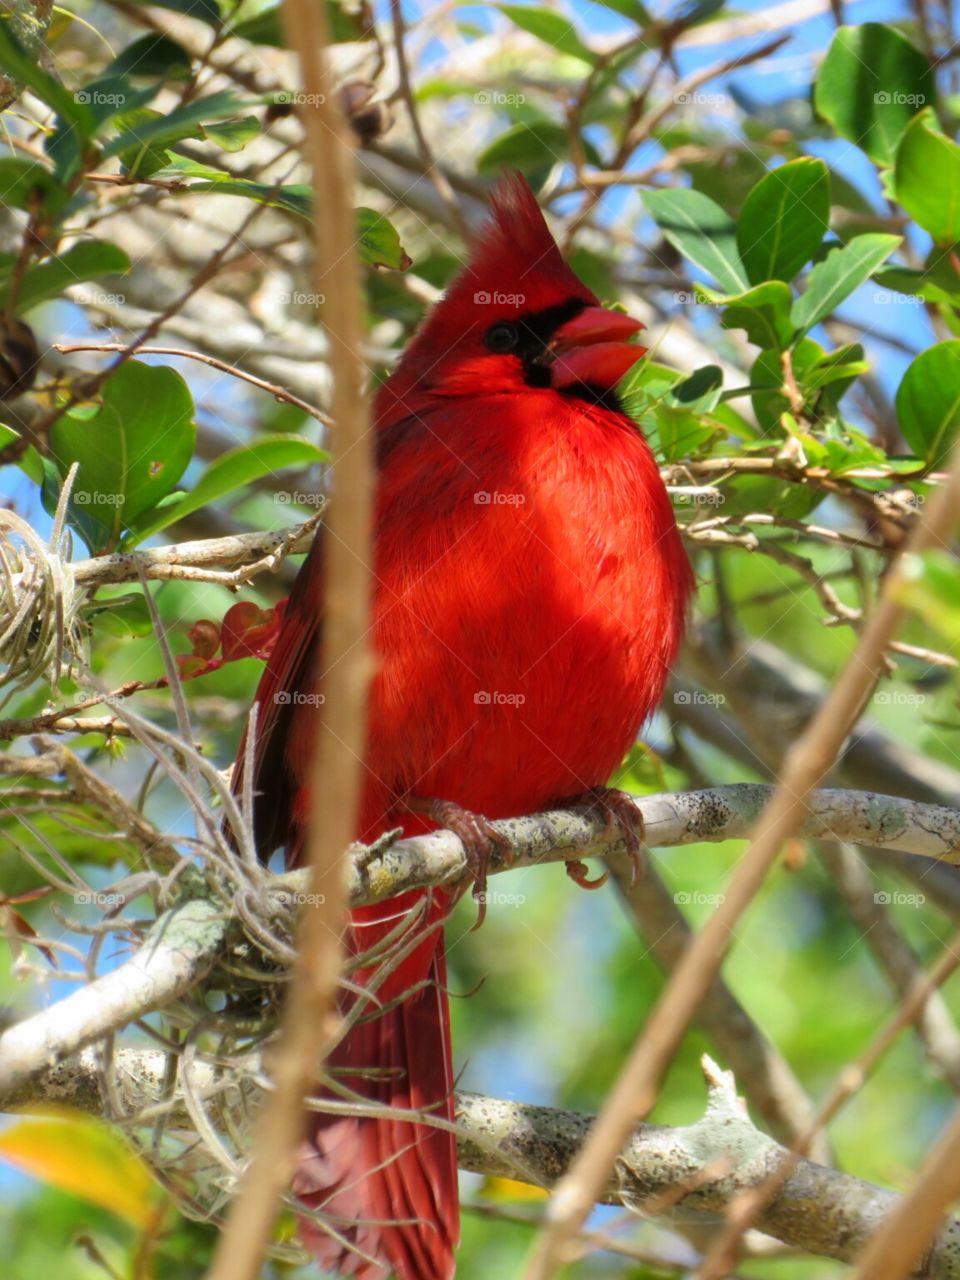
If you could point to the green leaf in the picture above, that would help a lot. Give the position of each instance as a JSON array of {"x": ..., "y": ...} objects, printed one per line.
[
  {"x": 23, "y": 68},
  {"x": 927, "y": 179},
  {"x": 937, "y": 281},
  {"x": 930, "y": 586},
  {"x": 28, "y": 185},
  {"x": 783, "y": 220},
  {"x": 294, "y": 198},
  {"x": 535, "y": 148},
  {"x": 152, "y": 55},
  {"x": 928, "y": 401},
  {"x": 842, "y": 271},
  {"x": 232, "y": 471},
  {"x": 132, "y": 448},
  {"x": 232, "y": 135},
  {"x": 763, "y": 311},
  {"x": 84, "y": 261},
  {"x": 700, "y": 391},
  {"x": 550, "y": 27},
  {"x": 631, "y": 9},
  {"x": 121, "y": 615},
  {"x": 161, "y": 129},
  {"x": 380, "y": 242},
  {"x": 702, "y": 231},
  {"x": 871, "y": 83},
  {"x": 346, "y": 26},
  {"x": 745, "y": 494}
]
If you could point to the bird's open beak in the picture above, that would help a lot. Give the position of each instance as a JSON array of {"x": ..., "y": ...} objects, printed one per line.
[{"x": 592, "y": 348}]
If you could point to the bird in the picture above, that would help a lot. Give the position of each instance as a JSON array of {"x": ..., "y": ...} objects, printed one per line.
[{"x": 530, "y": 589}]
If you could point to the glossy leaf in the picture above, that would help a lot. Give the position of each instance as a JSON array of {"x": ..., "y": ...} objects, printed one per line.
[
  {"x": 550, "y": 27},
  {"x": 183, "y": 122},
  {"x": 842, "y": 271},
  {"x": 927, "y": 179},
  {"x": 380, "y": 242},
  {"x": 233, "y": 134},
  {"x": 87, "y": 260},
  {"x": 702, "y": 232},
  {"x": 872, "y": 82},
  {"x": 763, "y": 312},
  {"x": 783, "y": 220},
  {"x": 152, "y": 55},
  {"x": 132, "y": 448},
  {"x": 928, "y": 401},
  {"x": 232, "y": 471}
]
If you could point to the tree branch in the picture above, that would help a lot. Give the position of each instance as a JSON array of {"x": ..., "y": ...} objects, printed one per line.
[
  {"x": 702, "y": 1167},
  {"x": 161, "y": 971}
]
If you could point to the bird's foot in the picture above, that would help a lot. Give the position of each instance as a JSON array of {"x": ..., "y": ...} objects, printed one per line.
[
  {"x": 618, "y": 808},
  {"x": 480, "y": 840}
]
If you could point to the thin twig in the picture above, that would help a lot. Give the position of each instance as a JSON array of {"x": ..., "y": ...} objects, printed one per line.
[
  {"x": 278, "y": 393},
  {"x": 336, "y": 768}
]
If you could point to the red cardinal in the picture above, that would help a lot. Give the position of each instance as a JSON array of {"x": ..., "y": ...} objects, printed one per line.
[{"x": 530, "y": 591}]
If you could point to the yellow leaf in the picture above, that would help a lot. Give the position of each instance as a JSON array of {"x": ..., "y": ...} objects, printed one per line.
[
  {"x": 85, "y": 1157},
  {"x": 507, "y": 1189}
]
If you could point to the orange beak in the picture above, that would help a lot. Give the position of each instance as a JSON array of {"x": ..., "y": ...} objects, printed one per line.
[{"x": 592, "y": 348}]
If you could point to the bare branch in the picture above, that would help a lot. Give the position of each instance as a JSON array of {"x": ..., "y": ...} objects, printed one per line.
[
  {"x": 713, "y": 814},
  {"x": 336, "y": 767},
  {"x": 699, "y": 1168}
]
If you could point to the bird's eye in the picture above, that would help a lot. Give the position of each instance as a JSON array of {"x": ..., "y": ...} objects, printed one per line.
[{"x": 501, "y": 338}]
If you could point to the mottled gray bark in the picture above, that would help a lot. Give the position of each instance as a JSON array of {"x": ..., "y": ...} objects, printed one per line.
[{"x": 701, "y": 1167}]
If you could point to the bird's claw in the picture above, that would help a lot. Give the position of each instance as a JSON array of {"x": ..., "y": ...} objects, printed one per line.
[
  {"x": 618, "y": 808},
  {"x": 579, "y": 874},
  {"x": 480, "y": 840}
]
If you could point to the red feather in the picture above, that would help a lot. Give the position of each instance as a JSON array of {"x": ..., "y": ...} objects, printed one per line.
[{"x": 530, "y": 591}]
